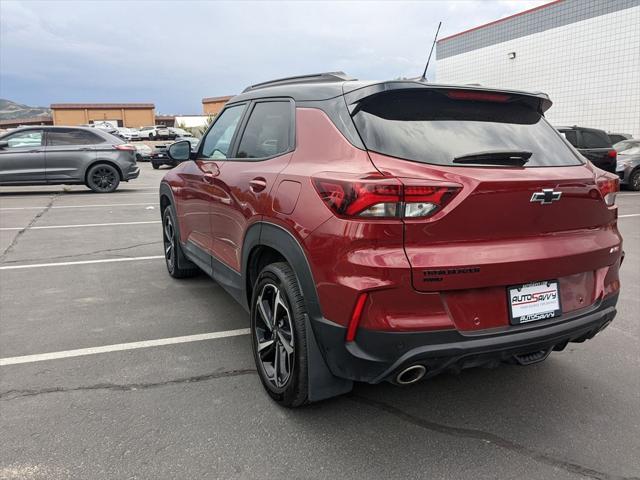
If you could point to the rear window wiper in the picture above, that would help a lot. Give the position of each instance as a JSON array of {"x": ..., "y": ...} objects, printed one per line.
[{"x": 495, "y": 158}]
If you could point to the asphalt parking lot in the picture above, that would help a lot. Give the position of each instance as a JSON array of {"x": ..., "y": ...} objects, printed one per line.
[{"x": 194, "y": 408}]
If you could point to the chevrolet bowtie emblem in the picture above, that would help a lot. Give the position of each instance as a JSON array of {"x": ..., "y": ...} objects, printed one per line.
[{"x": 546, "y": 196}]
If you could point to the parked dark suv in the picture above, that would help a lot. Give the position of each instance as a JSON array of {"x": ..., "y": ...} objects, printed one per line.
[
  {"x": 393, "y": 230},
  {"x": 66, "y": 155},
  {"x": 594, "y": 144}
]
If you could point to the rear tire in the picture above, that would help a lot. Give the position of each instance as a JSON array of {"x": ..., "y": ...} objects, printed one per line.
[
  {"x": 634, "y": 180},
  {"x": 155, "y": 165},
  {"x": 278, "y": 335},
  {"x": 177, "y": 264},
  {"x": 103, "y": 178}
]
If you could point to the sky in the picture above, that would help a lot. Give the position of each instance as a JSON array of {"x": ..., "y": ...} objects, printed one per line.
[{"x": 174, "y": 53}]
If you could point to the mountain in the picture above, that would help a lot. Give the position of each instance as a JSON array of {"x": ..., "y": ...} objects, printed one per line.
[{"x": 11, "y": 110}]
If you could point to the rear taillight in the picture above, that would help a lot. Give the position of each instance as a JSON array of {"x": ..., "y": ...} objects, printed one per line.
[
  {"x": 383, "y": 197},
  {"x": 608, "y": 187},
  {"x": 612, "y": 154},
  {"x": 125, "y": 146}
]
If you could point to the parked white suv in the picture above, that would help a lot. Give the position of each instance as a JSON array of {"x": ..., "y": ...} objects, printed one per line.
[
  {"x": 154, "y": 132},
  {"x": 129, "y": 134}
]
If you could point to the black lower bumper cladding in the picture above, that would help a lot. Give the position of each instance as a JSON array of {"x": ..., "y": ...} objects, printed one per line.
[{"x": 377, "y": 356}]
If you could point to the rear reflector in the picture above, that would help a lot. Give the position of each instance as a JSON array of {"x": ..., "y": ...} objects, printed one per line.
[
  {"x": 612, "y": 154},
  {"x": 609, "y": 186},
  {"x": 478, "y": 96},
  {"x": 383, "y": 197},
  {"x": 355, "y": 317}
]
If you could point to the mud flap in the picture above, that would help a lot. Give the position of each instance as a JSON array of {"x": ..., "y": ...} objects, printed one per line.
[{"x": 322, "y": 383}]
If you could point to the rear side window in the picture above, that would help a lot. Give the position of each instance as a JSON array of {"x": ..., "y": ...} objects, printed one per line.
[
  {"x": 429, "y": 127},
  {"x": 57, "y": 138},
  {"x": 594, "y": 139},
  {"x": 268, "y": 131},
  {"x": 571, "y": 136},
  {"x": 217, "y": 141}
]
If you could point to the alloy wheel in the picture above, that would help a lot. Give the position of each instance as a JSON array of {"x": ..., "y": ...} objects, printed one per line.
[
  {"x": 103, "y": 178},
  {"x": 274, "y": 336},
  {"x": 169, "y": 242}
]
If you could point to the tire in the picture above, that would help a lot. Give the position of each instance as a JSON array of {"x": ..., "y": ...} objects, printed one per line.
[
  {"x": 138, "y": 158},
  {"x": 103, "y": 178},
  {"x": 634, "y": 180},
  {"x": 277, "y": 290},
  {"x": 155, "y": 165},
  {"x": 177, "y": 264}
]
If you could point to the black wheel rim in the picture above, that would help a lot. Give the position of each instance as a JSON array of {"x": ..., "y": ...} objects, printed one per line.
[
  {"x": 103, "y": 178},
  {"x": 169, "y": 242},
  {"x": 274, "y": 336}
]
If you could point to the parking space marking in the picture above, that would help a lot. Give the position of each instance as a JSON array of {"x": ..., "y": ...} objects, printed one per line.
[
  {"x": 119, "y": 347},
  {"x": 80, "y": 262},
  {"x": 78, "y": 196},
  {"x": 50, "y": 227},
  {"x": 82, "y": 206},
  {"x": 629, "y": 215}
]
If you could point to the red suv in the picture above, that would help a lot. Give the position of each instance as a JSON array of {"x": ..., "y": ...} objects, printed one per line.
[{"x": 393, "y": 230}]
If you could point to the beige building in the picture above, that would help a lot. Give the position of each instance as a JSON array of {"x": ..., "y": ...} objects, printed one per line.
[
  {"x": 213, "y": 105},
  {"x": 122, "y": 114}
]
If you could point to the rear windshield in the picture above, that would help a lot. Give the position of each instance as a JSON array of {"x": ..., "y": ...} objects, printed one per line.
[{"x": 429, "y": 127}]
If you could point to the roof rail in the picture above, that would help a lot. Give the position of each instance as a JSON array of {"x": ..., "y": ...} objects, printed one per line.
[{"x": 313, "y": 78}]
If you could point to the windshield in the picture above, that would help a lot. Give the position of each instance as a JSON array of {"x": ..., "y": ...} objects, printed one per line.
[{"x": 429, "y": 127}]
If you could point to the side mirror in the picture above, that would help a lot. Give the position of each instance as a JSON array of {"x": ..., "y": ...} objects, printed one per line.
[
  {"x": 4, "y": 144},
  {"x": 180, "y": 151}
]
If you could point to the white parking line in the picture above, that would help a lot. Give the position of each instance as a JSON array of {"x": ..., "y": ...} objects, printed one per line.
[
  {"x": 121, "y": 346},
  {"x": 9, "y": 196},
  {"x": 80, "y": 262},
  {"x": 49, "y": 227},
  {"x": 629, "y": 215},
  {"x": 81, "y": 206}
]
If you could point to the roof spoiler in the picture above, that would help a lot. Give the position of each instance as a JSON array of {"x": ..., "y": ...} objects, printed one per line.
[{"x": 540, "y": 101}]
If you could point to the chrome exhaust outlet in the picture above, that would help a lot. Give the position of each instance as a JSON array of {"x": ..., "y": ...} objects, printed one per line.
[{"x": 411, "y": 374}]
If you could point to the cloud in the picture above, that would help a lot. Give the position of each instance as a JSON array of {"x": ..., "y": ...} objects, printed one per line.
[{"x": 175, "y": 53}]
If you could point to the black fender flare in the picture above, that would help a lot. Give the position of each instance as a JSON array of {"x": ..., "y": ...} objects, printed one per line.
[{"x": 322, "y": 383}]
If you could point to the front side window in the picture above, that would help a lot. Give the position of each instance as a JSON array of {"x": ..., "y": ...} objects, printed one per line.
[
  {"x": 594, "y": 140},
  {"x": 217, "y": 142},
  {"x": 58, "y": 138},
  {"x": 268, "y": 131},
  {"x": 30, "y": 138}
]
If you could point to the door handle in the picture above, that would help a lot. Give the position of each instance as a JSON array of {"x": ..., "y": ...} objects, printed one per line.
[{"x": 258, "y": 184}]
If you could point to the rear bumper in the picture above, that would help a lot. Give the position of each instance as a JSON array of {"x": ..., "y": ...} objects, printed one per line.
[
  {"x": 164, "y": 160},
  {"x": 377, "y": 356},
  {"x": 134, "y": 172}
]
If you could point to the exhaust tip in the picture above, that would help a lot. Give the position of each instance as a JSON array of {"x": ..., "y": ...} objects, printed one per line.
[{"x": 411, "y": 374}]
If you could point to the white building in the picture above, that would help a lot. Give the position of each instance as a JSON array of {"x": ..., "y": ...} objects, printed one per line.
[{"x": 585, "y": 54}]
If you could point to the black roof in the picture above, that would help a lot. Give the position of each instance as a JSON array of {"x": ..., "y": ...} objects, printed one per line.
[{"x": 324, "y": 86}]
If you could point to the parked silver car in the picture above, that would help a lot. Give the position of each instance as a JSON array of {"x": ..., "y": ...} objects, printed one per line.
[
  {"x": 628, "y": 163},
  {"x": 66, "y": 155}
]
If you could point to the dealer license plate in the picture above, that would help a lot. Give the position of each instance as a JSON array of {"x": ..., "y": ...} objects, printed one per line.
[{"x": 534, "y": 301}]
